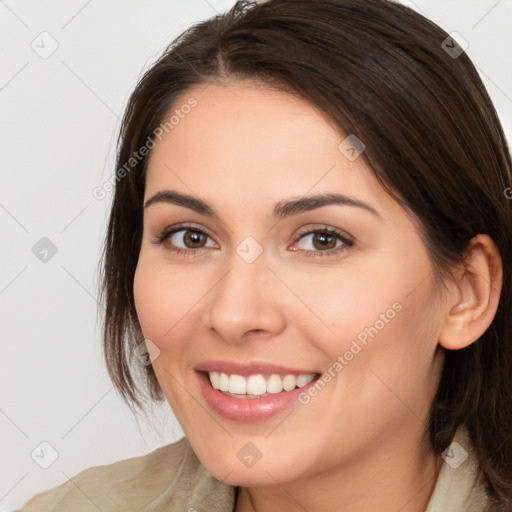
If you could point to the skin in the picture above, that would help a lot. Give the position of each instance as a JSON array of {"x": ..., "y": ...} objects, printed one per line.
[{"x": 243, "y": 149}]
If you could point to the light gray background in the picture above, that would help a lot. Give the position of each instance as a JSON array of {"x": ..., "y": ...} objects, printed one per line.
[{"x": 59, "y": 122}]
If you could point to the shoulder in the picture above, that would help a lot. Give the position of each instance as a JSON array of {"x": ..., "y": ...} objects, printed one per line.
[
  {"x": 168, "y": 476},
  {"x": 459, "y": 485}
]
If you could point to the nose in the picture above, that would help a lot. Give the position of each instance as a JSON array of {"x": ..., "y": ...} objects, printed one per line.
[{"x": 246, "y": 301}]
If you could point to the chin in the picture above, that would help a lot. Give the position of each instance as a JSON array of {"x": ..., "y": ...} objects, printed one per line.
[{"x": 244, "y": 467}]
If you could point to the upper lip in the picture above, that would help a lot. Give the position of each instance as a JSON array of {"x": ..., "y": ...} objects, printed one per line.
[{"x": 260, "y": 367}]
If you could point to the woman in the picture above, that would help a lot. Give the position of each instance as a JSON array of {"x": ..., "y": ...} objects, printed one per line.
[{"x": 308, "y": 257}]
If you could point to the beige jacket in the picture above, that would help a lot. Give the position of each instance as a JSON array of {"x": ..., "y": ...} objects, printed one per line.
[{"x": 172, "y": 478}]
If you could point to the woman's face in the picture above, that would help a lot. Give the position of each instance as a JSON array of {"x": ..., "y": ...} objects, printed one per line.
[{"x": 281, "y": 284}]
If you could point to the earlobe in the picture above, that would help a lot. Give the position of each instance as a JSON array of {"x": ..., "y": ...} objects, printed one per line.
[{"x": 473, "y": 301}]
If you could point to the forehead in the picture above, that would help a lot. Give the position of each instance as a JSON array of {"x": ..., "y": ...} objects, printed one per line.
[{"x": 245, "y": 141}]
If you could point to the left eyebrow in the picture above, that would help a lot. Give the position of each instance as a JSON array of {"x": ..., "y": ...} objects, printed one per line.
[
  {"x": 282, "y": 209},
  {"x": 304, "y": 204}
]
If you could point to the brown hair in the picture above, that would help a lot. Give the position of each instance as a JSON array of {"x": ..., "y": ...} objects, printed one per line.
[{"x": 380, "y": 71}]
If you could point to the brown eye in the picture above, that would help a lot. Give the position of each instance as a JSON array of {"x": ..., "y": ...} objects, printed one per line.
[
  {"x": 193, "y": 239},
  {"x": 184, "y": 239},
  {"x": 323, "y": 242}
]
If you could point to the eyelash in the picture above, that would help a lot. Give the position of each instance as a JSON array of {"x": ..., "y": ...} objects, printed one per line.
[{"x": 162, "y": 237}]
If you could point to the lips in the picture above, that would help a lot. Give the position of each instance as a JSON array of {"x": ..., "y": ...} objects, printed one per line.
[
  {"x": 243, "y": 406},
  {"x": 247, "y": 369}
]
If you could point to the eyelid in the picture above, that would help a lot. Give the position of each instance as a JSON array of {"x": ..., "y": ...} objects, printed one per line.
[
  {"x": 169, "y": 231},
  {"x": 325, "y": 227},
  {"x": 347, "y": 239}
]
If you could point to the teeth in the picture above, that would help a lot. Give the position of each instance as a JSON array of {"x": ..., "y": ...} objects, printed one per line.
[
  {"x": 274, "y": 384},
  {"x": 223, "y": 382},
  {"x": 237, "y": 385},
  {"x": 215, "y": 379},
  {"x": 257, "y": 385},
  {"x": 302, "y": 380},
  {"x": 289, "y": 382}
]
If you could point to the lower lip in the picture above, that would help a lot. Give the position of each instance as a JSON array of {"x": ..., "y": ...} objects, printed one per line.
[{"x": 248, "y": 409}]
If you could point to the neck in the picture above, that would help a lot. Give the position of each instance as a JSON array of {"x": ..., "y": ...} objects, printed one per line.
[{"x": 387, "y": 481}]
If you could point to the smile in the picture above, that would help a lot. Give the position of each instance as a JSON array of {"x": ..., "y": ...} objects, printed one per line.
[
  {"x": 251, "y": 392},
  {"x": 257, "y": 386}
]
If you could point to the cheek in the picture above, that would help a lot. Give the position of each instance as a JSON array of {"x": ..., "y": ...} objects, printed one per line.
[
  {"x": 169, "y": 302},
  {"x": 161, "y": 298},
  {"x": 378, "y": 309},
  {"x": 350, "y": 299},
  {"x": 389, "y": 350},
  {"x": 380, "y": 357},
  {"x": 164, "y": 303}
]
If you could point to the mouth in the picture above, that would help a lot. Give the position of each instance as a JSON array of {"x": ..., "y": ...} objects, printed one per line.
[
  {"x": 255, "y": 392},
  {"x": 258, "y": 385}
]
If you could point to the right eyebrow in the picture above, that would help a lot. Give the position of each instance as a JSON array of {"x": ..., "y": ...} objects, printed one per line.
[{"x": 173, "y": 197}]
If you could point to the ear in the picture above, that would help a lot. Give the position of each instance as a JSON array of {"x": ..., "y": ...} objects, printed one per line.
[{"x": 473, "y": 299}]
